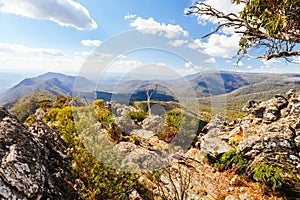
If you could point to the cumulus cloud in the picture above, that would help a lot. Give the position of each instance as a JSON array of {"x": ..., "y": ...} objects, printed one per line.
[
  {"x": 25, "y": 51},
  {"x": 196, "y": 44},
  {"x": 91, "y": 43},
  {"x": 177, "y": 43},
  {"x": 189, "y": 65},
  {"x": 218, "y": 45},
  {"x": 150, "y": 26},
  {"x": 210, "y": 60},
  {"x": 130, "y": 16},
  {"x": 20, "y": 57},
  {"x": 64, "y": 12}
]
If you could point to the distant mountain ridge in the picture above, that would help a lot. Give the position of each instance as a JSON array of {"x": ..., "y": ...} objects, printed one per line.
[
  {"x": 55, "y": 83},
  {"x": 237, "y": 87}
]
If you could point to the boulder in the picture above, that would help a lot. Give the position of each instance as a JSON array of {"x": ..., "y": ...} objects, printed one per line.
[
  {"x": 34, "y": 162},
  {"x": 212, "y": 144},
  {"x": 270, "y": 132}
]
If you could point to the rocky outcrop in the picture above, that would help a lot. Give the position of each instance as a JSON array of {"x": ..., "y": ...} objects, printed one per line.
[
  {"x": 269, "y": 133},
  {"x": 34, "y": 162}
]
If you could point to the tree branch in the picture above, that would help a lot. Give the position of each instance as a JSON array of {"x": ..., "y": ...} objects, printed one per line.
[{"x": 283, "y": 54}]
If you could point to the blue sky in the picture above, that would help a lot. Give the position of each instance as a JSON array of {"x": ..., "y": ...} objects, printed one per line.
[{"x": 59, "y": 35}]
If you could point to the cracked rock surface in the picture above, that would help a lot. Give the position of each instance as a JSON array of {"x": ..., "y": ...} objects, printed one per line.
[{"x": 34, "y": 162}]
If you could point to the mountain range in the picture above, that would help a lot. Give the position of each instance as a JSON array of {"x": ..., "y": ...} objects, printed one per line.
[
  {"x": 54, "y": 83},
  {"x": 236, "y": 88}
]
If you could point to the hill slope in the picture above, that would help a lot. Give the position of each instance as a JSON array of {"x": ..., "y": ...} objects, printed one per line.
[{"x": 54, "y": 83}]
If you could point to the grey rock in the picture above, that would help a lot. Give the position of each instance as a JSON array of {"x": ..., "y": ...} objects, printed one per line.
[
  {"x": 33, "y": 167},
  {"x": 213, "y": 145},
  {"x": 153, "y": 123},
  {"x": 142, "y": 133}
]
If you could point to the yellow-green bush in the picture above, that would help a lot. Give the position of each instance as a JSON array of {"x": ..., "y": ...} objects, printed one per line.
[
  {"x": 94, "y": 179},
  {"x": 30, "y": 120},
  {"x": 231, "y": 158},
  {"x": 173, "y": 118},
  {"x": 140, "y": 105},
  {"x": 138, "y": 115},
  {"x": 99, "y": 104},
  {"x": 269, "y": 175}
]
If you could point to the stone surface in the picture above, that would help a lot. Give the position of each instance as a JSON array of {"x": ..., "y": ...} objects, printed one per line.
[
  {"x": 34, "y": 162},
  {"x": 270, "y": 132}
]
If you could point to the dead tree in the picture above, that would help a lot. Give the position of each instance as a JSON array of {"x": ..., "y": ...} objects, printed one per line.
[{"x": 150, "y": 90}]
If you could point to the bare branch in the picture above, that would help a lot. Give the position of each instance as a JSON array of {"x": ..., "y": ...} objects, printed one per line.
[{"x": 283, "y": 54}]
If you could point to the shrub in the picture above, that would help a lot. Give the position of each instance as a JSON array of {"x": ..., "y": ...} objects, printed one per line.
[
  {"x": 141, "y": 105},
  {"x": 232, "y": 158},
  {"x": 94, "y": 179},
  {"x": 269, "y": 175},
  {"x": 99, "y": 104},
  {"x": 173, "y": 118},
  {"x": 105, "y": 117},
  {"x": 138, "y": 115},
  {"x": 51, "y": 115},
  {"x": 30, "y": 120},
  {"x": 45, "y": 104},
  {"x": 62, "y": 101}
]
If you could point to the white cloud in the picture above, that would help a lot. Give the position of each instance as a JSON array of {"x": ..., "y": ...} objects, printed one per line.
[
  {"x": 220, "y": 45},
  {"x": 249, "y": 67},
  {"x": 177, "y": 43},
  {"x": 196, "y": 44},
  {"x": 188, "y": 64},
  {"x": 270, "y": 62},
  {"x": 124, "y": 66},
  {"x": 239, "y": 64},
  {"x": 150, "y": 26},
  {"x": 86, "y": 53},
  {"x": 15, "y": 49},
  {"x": 91, "y": 43},
  {"x": 20, "y": 57},
  {"x": 226, "y": 42},
  {"x": 210, "y": 60},
  {"x": 64, "y": 12},
  {"x": 130, "y": 16},
  {"x": 162, "y": 64},
  {"x": 296, "y": 59}
]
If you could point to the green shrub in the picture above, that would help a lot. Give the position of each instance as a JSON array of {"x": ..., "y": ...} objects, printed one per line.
[
  {"x": 141, "y": 105},
  {"x": 62, "y": 101},
  {"x": 232, "y": 158},
  {"x": 51, "y": 115},
  {"x": 138, "y": 115},
  {"x": 174, "y": 118},
  {"x": 105, "y": 117},
  {"x": 94, "y": 179},
  {"x": 269, "y": 175},
  {"x": 45, "y": 104}
]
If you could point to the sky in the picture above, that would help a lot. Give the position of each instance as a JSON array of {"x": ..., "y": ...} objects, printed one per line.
[{"x": 69, "y": 36}]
